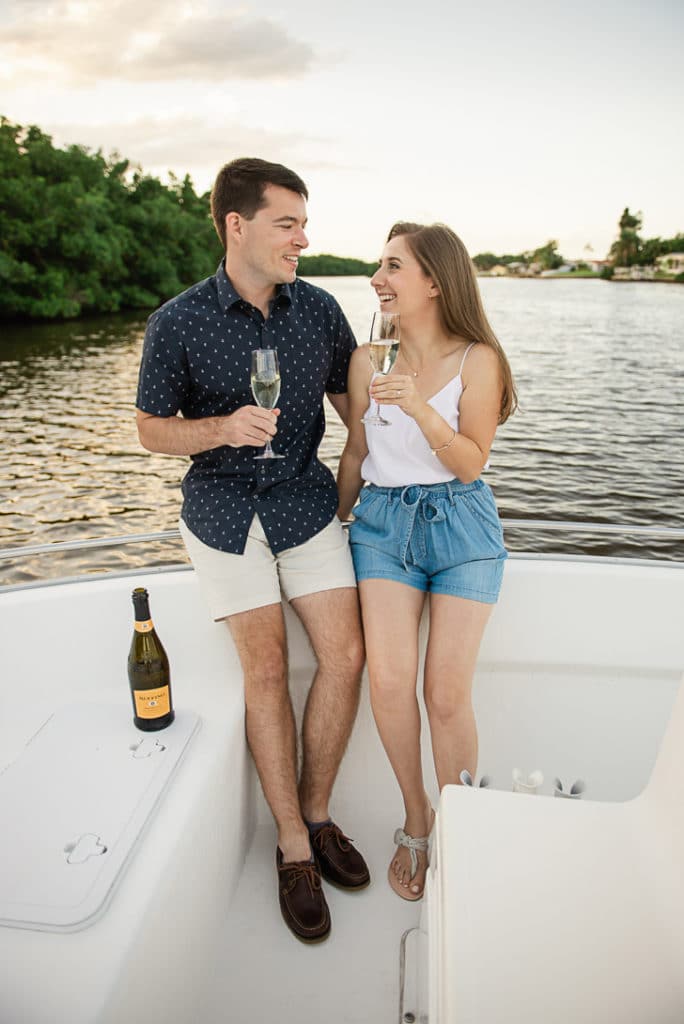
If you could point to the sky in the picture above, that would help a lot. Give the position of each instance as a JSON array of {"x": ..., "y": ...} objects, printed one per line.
[{"x": 513, "y": 122}]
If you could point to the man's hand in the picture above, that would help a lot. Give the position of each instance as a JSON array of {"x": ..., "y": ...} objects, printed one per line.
[
  {"x": 250, "y": 425},
  {"x": 174, "y": 435}
]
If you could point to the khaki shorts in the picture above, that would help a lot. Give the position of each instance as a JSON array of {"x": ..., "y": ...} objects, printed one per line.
[{"x": 237, "y": 583}]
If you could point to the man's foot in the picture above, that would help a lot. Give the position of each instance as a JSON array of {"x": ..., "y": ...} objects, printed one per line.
[
  {"x": 337, "y": 859},
  {"x": 302, "y": 902}
]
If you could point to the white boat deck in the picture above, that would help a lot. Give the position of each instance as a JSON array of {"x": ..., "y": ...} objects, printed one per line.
[
  {"x": 576, "y": 678},
  {"x": 263, "y": 974}
]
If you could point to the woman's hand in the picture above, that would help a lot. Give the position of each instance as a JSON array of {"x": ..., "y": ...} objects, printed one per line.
[{"x": 397, "y": 389}]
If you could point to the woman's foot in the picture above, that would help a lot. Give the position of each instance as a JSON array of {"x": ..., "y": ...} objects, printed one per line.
[{"x": 407, "y": 870}]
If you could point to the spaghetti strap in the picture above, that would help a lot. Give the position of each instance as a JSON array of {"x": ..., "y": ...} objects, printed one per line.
[{"x": 465, "y": 354}]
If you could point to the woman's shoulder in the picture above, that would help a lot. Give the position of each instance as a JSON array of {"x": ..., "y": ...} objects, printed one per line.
[
  {"x": 480, "y": 356},
  {"x": 482, "y": 367}
]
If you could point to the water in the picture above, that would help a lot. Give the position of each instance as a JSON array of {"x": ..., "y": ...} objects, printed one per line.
[{"x": 598, "y": 436}]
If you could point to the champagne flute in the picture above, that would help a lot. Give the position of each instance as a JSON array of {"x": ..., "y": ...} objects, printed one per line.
[
  {"x": 265, "y": 382},
  {"x": 383, "y": 351}
]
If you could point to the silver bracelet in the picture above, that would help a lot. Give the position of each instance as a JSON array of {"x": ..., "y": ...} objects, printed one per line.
[{"x": 443, "y": 447}]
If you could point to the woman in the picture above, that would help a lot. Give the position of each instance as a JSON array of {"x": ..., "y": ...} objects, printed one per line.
[{"x": 426, "y": 522}]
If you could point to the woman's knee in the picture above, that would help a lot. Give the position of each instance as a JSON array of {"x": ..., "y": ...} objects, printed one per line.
[
  {"x": 447, "y": 700},
  {"x": 388, "y": 688}
]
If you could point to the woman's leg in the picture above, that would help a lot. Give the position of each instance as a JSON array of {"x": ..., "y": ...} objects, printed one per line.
[
  {"x": 456, "y": 628},
  {"x": 391, "y": 617}
]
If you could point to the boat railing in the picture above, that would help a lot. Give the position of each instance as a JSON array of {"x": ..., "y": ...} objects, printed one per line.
[
  {"x": 24, "y": 566},
  {"x": 551, "y": 526}
]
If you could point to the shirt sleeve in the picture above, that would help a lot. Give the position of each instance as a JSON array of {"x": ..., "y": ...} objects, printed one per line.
[
  {"x": 344, "y": 344},
  {"x": 163, "y": 380}
]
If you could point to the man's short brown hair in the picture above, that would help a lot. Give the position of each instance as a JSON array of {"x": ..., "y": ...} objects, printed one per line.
[{"x": 240, "y": 186}]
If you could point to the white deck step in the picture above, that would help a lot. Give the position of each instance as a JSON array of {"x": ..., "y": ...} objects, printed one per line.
[{"x": 263, "y": 973}]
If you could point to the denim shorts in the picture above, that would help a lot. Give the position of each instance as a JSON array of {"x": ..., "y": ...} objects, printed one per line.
[{"x": 442, "y": 538}]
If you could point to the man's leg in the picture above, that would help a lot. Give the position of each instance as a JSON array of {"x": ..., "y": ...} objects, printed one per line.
[
  {"x": 261, "y": 643},
  {"x": 333, "y": 623}
]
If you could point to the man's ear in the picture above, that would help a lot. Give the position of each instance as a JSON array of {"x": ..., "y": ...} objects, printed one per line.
[{"x": 233, "y": 225}]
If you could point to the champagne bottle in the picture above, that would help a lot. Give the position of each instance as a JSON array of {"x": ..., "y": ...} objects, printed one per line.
[{"x": 148, "y": 670}]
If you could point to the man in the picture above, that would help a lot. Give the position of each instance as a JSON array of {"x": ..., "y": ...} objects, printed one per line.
[{"x": 254, "y": 527}]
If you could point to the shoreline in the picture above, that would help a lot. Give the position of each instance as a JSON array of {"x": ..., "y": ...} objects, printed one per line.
[{"x": 581, "y": 277}]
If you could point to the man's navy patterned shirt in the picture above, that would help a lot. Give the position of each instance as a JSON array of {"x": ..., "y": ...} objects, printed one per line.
[{"x": 196, "y": 361}]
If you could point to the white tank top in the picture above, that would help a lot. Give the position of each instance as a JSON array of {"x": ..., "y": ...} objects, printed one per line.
[{"x": 400, "y": 455}]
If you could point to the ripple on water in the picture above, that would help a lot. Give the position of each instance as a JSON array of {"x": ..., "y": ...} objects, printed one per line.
[{"x": 599, "y": 434}]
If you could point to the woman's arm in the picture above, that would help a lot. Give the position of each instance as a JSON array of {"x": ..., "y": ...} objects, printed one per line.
[{"x": 349, "y": 479}]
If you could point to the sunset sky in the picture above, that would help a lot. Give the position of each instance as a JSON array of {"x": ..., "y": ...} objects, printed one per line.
[{"x": 513, "y": 122}]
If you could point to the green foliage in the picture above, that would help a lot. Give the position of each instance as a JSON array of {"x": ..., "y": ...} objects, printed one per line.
[
  {"x": 626, "y": 249},
  {"x": 547, "y": 256},
  {"x": 607, "y": 272},
  {"x": 81, "y": 234},
  {"x": 652, "y": 248},
  {"x": 629, "y": 249},
  {"x": 487, "y": 260},
  {"x": 326, "y": 265}
]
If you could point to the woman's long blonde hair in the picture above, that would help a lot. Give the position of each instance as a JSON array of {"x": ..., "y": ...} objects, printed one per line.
[{"x": 443, "y": 257}]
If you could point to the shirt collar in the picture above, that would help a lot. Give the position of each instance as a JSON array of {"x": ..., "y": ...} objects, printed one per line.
[{"x": 228, "y": 296}]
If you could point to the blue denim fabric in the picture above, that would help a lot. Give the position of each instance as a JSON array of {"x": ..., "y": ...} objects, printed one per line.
[{"x": 442, "y": 538}]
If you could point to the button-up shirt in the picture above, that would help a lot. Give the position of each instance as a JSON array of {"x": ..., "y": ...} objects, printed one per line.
[{"x": 196, "y": 360}]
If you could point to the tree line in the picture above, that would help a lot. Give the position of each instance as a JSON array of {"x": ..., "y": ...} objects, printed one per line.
[
  {"x": 81, "y": 233},
  {"x": 628, "y": 250}
]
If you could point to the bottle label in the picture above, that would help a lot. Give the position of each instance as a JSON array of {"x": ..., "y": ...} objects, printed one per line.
[
  {"x": 145, "y": 626},
  {"x": 152, "y": 703}
]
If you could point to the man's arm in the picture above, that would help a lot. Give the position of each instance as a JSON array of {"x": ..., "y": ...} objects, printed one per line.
[
  {"x": 340, "y": 404},
  {"x": 174, "y": 435}
]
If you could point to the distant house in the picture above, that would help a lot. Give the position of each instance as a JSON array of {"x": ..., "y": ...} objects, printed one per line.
[
  {"x": 597, "y": 265},
  {"x": 564, "y": 268},
  {"x": 517, "y": 267},
  {"x": 586, "y": 263},
  {"x": 635, "y": 273},
  {"x": 671, "y": 263},
  {"x": 500, "y": 270}
]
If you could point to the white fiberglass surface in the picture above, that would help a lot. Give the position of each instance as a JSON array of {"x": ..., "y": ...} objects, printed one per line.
[{"x": 576, "y": 679}]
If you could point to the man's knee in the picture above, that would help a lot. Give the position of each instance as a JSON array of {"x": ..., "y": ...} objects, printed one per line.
[
  {"x": 343, "y": 656},
  {"x": 265, "y": 674}
]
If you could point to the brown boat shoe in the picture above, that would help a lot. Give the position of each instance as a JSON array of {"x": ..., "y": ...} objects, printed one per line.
[
  {"x": 302, "y": 901},
  {"x": 339, "y": 862}
]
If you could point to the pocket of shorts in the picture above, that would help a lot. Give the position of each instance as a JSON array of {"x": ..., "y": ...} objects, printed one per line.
[
  {"x": 366, "y": 500},
  {"x": 481, "y": 504}
]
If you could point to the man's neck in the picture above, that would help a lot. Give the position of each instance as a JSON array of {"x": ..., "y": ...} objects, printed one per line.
[{"x": 250, "y": 287}]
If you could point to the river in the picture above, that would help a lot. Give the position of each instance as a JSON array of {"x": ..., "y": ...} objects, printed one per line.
[{"x": 599, "y": 434}]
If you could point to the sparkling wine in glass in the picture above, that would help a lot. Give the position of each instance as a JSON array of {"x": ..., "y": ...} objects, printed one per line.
[
  {"x": 265, "y": 383},
  {"x": 383, "y": 350}
]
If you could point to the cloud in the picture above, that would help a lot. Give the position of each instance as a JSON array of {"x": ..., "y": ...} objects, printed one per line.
[
  {"x": 187, "y": 144},
  {"x": 92, "y": 40}
]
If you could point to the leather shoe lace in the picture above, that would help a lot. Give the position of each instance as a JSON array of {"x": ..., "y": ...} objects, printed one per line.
[
  {"x": 339, "y": 861},
  {"x": 302, "y": 901}
]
